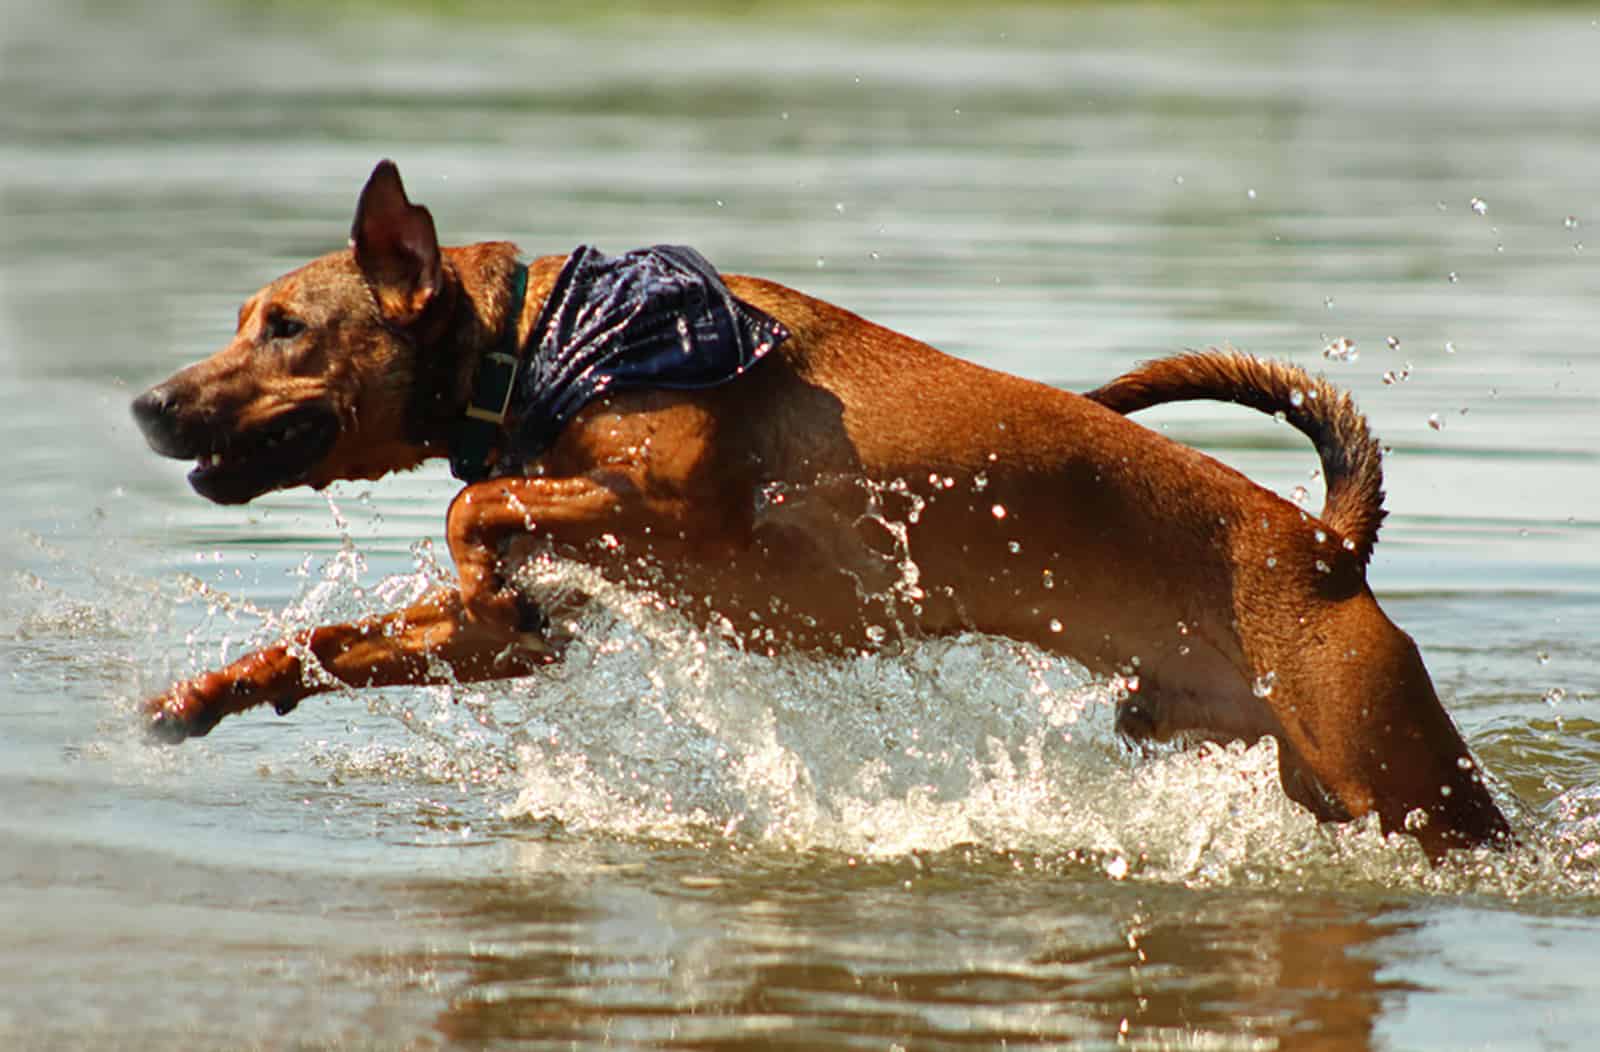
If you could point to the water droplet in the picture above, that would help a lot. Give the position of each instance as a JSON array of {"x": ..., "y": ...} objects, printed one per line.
[
  {"x": 1449, "y": 347},
  {"x": 821, "y": 262},
  {"x": 1555, "y": 696},
  {"x": 1327, "y": 302},
  {"x": 1321, "y": 536},
  {"x": 1479, "y": 205},
  {"x": 1048, "y": 579},
  {"x": 838, "y": 206},
  {"x": 1341, "y": 350},
  {"x": 1454, "y": 277},
  {"x": 874, "y": 255},
  {"x": 1571, "y": 222},
  {"x": 1444, "y": 790},
  {"x": 998, "y": 511},
  {"x": 719, "y": 202},
  {"x": 1264, "y": 684},
  {"x": 1393, "y": 342},
  {"x": 1178, "y": 179},
  {"x": 1055, "y": 625},
  {"x": 1323, "y": 567},
  {"x": 1117, "y": 868},
  {"x": 1434, "y": 422},
  {"x": 1297, "y": 398},
  {"x": 785, "y": 115},
  {"x": 1251, "y": 193},
  {"x": 1272, "y": 562},
  {"x": 1299, "y": 494},
  {"x": 1014, "y": 547},
  {"x": 1543, "y": 656}
]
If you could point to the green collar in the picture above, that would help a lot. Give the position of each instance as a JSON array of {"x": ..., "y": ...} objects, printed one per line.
[{"x": 485, "y": 417}]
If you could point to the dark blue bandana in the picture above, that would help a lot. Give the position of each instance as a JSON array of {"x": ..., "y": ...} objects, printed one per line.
[{"x": 656, "y": 317}]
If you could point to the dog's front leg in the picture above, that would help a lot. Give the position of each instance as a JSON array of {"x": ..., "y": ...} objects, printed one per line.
[
  {"x": 432, "y": 641},
  {"x": 488, "y": 521}
]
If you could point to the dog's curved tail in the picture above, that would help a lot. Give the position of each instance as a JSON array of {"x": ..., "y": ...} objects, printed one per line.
[{"x": 1352, "y": 461}]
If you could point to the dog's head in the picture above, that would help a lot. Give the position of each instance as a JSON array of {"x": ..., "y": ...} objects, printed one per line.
[{"x": 317, "y": 383}]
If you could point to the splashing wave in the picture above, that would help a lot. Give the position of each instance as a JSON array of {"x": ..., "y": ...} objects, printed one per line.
[{"x": 654, "y": 728}]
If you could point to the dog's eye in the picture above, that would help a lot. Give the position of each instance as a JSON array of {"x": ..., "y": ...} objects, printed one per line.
[{"x": 283, "y": 327}]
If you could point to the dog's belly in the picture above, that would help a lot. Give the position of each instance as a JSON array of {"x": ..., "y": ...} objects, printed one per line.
[{"x": 850, "y": 564}]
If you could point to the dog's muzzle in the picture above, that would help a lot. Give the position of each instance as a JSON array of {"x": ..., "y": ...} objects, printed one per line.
[{"x": 234, "y": 465}]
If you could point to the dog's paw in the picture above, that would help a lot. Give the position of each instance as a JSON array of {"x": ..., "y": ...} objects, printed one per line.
[
  {"x": 184, "y": 711},
  {"x": 171, "y": 727}
]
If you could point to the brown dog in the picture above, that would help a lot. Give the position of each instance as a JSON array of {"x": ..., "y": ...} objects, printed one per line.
[{"x": 850, "y": 486}]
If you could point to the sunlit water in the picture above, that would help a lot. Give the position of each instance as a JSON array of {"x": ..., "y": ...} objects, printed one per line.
[{"x": 668, "y": 840}]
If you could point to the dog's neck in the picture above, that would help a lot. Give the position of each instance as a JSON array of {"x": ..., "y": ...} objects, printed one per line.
[
  {"x": 478, "y": 313},
  {"x": 482, "y": 424}
]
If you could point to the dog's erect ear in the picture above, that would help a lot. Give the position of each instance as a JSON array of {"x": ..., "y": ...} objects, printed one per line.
[{"x": 395, "y": 246}]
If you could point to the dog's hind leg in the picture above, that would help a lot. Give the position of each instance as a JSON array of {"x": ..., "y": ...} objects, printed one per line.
[
  {"x": 1379, "y": 740},
  {"x": 432, "y": 641}
]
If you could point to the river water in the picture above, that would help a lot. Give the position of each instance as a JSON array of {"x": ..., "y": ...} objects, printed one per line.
[{"x": 668, "y": 842}]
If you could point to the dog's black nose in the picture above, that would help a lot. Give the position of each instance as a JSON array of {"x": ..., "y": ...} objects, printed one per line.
[
  {"x": 150, "y": 407},
  {"x": 156, "y": 413}
]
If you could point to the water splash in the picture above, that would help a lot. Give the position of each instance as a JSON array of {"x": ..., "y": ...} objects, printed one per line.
[{"x": 654, "y": 728}]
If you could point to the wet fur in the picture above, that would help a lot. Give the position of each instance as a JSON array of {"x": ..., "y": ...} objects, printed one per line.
[{"x": 1029, "y": 512}]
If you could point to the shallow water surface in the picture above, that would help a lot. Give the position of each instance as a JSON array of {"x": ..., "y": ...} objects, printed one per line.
[{"x": 668, "y": 841}]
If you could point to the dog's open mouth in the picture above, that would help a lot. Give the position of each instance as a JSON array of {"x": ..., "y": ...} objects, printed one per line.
[{"x": 240, "y": 467}]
